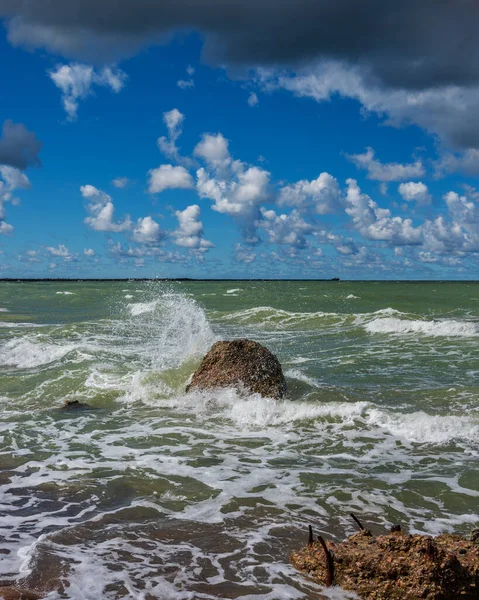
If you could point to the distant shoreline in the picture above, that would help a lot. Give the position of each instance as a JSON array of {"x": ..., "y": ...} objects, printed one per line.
[{"x": 190, "y": 279}]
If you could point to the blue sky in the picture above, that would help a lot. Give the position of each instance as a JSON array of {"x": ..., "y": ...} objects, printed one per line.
[{"x": 177, "y": 156}]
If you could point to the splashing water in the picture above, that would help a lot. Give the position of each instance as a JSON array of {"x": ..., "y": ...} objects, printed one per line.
[{"x": 161, "y": 494}]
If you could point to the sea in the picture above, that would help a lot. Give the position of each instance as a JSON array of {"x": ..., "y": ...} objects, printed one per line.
[{"x": 152, "y": 493}]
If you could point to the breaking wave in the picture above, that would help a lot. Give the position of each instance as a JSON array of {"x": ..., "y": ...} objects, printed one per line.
[{"x": 439, "y": 328}]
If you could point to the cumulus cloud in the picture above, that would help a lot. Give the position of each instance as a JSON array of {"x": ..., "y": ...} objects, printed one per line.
[
  {"x": 415, "y": 192},
  {"x": 184, "y": 84},
  {"x": 147, "y": 231},
  {"x": 385, "y": 172},
  {"x": 173, "y": 119},
  {"x": 89, "y": 252},
  {"x": 243, "y": 255},
  {"x": 323, "y": 194},
  {"x": 214, "y": 150},
  {"x": 458, "y": 231},
  {"x": 120, "y": 182},
  {"x": 253, "y": 99},
  {"x": 289, "y": 229},
  {"x": 375, "y": 223},
  {"x": 101, "y": 211},
  {"x": 189, "y": 233},
  {"x": 11, "y": 179},
  {"x": 75, "y": 81},
  {"x": 444, "y": 110},
  {"x": 464, "y": 162},
  {"x": 169, "y": 177},
  {"x": 19, "y": 148},
  {"x": 61, "y": 251}
]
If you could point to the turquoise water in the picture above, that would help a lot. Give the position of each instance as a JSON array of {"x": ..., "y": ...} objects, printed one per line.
[{"x": 158, "y": 494}]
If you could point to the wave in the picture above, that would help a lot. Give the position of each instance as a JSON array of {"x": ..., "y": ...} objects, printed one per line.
[
  {"x": 66, "y": 293},
  {"x": 252, "y": 411},
  {"x": 437, "y": 328},
  {"x": 268, "y": 316},
  {"x": 26, "y": 353}
]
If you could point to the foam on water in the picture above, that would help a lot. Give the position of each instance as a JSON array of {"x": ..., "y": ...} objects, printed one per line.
[
  {"x": 204, "y": 495},
  {"x": 442, "y": 328},
  {"x": 27, "y": 352},
  {"x": 139, "y": 308}
]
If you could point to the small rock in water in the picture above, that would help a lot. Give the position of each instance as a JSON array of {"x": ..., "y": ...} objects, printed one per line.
[
  {"x": 240, "y": 363},
  {"x": 75, "y": 405}
]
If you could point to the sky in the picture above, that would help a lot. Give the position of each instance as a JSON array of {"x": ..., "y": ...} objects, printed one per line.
[{"x": 253, "y": 139}]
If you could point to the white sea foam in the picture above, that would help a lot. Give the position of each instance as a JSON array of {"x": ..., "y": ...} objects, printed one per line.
[
  {"x": 4, "y": 310},
  {"x": 439, "y": 328},
  {"x": 262, "y": 466},
  {"x": 66, "y": 293},
  {"x": 234, "y": 290},
  {"x": 27, "y": 352},
  {"x": 139, "y": 308},
  {"x": 352, "y": 297}
]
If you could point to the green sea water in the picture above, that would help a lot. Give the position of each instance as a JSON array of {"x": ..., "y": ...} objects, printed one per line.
[{"x": 157, "y": 494}]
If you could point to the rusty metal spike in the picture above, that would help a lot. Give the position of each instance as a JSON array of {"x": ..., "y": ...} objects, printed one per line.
[
  {"x": 358, "y": 522},
  {"x": 329, "y": 562}
]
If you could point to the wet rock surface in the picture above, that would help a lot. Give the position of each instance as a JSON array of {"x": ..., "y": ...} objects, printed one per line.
[
  {"x": 240, "y": 364},
  {"x": 9, "y": 592},
  {"x": 396, "y": 565},
  {"x": 72, "y": 405}
]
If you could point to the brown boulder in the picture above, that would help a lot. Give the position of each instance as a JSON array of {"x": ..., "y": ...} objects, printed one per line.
[
  {"x": 13, "y": 593},
  {"x": 240, "y": 363}
]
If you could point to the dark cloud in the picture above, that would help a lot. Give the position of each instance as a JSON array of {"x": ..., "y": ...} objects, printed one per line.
[
  {"x": 19, "y": 147},
  {"x": 411, "y": 44}
]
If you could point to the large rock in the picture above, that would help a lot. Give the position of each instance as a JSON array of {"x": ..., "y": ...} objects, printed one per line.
[{"x": 240, "y": 363}]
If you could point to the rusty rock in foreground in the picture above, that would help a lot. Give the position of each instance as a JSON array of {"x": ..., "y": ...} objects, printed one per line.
[
  {"x": 240, "y": 363},
  {"x": 398, "y": 566}
]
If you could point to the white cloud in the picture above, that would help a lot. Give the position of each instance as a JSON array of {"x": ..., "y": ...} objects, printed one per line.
[
  {"x": 415, "y": 192},
  {"x": 169, "y": 177},
  {"x": 243, "y": 255},
  {"x": 214, "y": 150},
  {"x": 173, "y": 120},
  {"x": 89, "y": 252},
  {"x": 285, "y": 229},
  {"x": 253, "y": 99},
  {"x": 379, "y": 171},
  {"x": 75, "y": 81},
  {"x": 120, "y": 182},
  {"x": 184, "y": 84},
  {"x": 61, "y": 251},
  {"x": 465, "y": 162},
  {"x": 101, "y": 209},
  {"x": 460, "y": 232},
  {"x": 236, "y": 191},
  {"x": 322, "y": 193},
  {"x": 147, "y": 231},
  {"x": 5, "y": 228},
  {"x": 11, "y": 179},
  {"x": 189, "y": 233},
  {"x": 443, "y": 110},
  {"x": 375, "y": 223}
]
